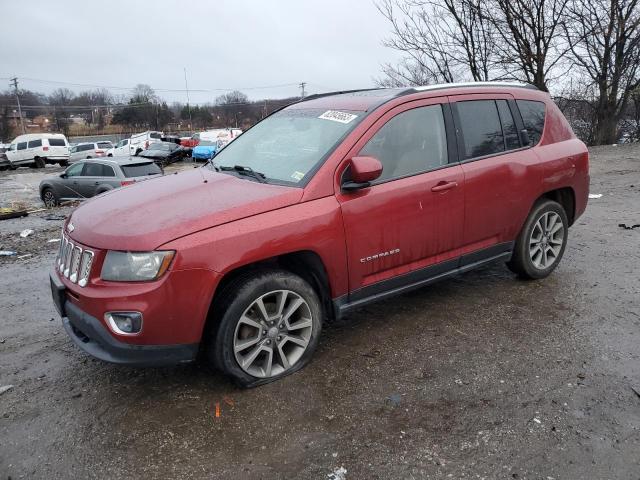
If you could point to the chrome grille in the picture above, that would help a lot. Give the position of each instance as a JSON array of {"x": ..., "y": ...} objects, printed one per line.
[{"x": 74, "y": 262}]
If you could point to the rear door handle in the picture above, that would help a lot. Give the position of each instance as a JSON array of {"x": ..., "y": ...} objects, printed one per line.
[
  {"x": 442, "y": 186},
  {"x": 96, "y": 183}
]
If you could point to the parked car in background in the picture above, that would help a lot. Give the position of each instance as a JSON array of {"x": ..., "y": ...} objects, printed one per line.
[
  {"x": 38, "y": 149},
  {"x": 212, "y": 141},
  {"x": 87, "y": 178},
  {"x": 205, "y": 150},
  {"x": 89, "y": 150},
  {"x": 164, "y": 153},
  {"x": 190, "y": 142},
  {"x": 329, "y": 204},
  {"x": 123, "y": 147},
  {"x": 141, "y": 141}
]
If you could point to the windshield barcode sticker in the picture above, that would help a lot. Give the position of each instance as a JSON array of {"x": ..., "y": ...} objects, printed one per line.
[{"x": 336, "y": 116}]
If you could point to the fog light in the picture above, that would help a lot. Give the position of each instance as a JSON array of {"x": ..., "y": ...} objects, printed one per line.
[{"x": 125, "y": 323}]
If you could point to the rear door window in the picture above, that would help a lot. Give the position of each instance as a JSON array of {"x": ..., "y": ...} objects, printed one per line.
[
  {"x": 35, "y": 143},
  {"x": 92, "y": 170},
  {"x": 107, "y": 171},
  {"x": 22, "y": 146},
  {"x": 480, "y": 127},
  {"x": 533, "y": 118},
  {"x": 140, "y": 169},
  {"x": 509, "y": 129},
  {"x": 56, "y": 142}
]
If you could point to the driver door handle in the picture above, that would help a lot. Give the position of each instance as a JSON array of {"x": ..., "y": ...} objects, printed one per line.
[{"x": 443, "y": 186}]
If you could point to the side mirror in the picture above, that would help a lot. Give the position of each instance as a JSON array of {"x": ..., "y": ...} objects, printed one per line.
[
  {"x": 524, "y": 136},
  {"x": 63, "y": 175},
  {"x": 364, "y": 170}
]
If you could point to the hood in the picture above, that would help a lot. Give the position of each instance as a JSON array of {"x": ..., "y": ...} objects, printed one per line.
[{"x": 143, "y": 216}]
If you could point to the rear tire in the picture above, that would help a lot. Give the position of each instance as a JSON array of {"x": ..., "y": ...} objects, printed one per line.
[
  {"x": 39, "y": 162},
  {"x": 49, "y": 198},
  {"x": 541, "y": 242},
  {"x": 63, "y": 163},
  {"x": 277, "y": 315}
]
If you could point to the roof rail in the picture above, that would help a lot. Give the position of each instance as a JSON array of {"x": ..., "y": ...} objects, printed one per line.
[
  {"x": 474, "y": 84},
  {"x": 338, "y": 92}
]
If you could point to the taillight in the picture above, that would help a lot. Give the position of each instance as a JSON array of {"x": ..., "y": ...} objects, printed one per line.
[
  {"x": 46, "y": 149},
  {"x": 99, "y": 153},
  {"x": 124, "y": 183}
]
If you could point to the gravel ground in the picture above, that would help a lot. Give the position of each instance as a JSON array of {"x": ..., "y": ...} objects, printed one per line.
[{"x": 481, "y": 376}]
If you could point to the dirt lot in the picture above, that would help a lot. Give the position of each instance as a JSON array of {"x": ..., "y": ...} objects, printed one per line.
[{"x": 483, "y": 376}]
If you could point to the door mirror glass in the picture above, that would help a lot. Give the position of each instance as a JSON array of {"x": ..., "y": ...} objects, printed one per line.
[{"x": 63, "y": 175}]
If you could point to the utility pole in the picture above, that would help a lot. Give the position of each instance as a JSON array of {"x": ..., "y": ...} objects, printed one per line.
[
  {"x": 302, "y": 85},
  {"x": 14, "y": 83},
  {"x": 186, "y": 86}
]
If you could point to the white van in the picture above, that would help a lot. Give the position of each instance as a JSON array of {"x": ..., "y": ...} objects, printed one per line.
[{"x": 38, "y": 149}]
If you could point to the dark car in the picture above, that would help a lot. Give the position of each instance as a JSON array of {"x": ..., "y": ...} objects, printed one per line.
[
  {"x": 164, "y": 153},
  {"x": 87, "y": 178}
]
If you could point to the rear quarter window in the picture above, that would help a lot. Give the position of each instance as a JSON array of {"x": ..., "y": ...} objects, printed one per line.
[
  {"x": 140, "y": 169},
  {"x": 56, "y": 142},
  {"x": 533, "y": 114}
]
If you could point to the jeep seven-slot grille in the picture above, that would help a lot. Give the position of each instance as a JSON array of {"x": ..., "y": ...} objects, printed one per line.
[{"x": 74, "y": 261}]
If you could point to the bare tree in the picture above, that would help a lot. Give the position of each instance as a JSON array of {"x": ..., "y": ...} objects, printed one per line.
[
  {"x": 605, "y": 43},
  {"x": 444, "y": 41},
  {"x": 531, "y": 43},
  {"x": 450, "y": 40}
]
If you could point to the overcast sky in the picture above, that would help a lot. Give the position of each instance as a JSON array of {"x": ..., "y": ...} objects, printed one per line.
[{"x": 224, "y": 44}]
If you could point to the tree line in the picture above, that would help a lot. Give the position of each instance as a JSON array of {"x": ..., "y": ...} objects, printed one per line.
[
  {"x": 587, "y": 52},
  {"x": 142, "y": 109}
]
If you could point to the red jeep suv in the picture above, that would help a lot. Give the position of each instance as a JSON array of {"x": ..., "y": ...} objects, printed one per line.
[{"x": 331, "y": 203}]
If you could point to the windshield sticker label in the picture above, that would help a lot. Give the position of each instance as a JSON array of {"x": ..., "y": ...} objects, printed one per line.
[
  {"x": 297, "y": 176},
  {"x": 337, "y": 116}
]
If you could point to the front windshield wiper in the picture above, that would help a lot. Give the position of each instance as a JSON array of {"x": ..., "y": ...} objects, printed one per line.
[
  {"x": 213, "y": 164},
  {"x": 242, "y": 170}
]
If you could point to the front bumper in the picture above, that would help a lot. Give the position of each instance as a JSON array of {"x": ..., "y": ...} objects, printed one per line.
[{"x": 90, "y": 335}]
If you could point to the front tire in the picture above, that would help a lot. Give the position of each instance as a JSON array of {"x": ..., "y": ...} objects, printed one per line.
[
  {"x": 49, "y": 198},
  {"x": 269, "y": 327},
  {"x": 542, "y": 241},
  {"x": 39, "y": 162}
]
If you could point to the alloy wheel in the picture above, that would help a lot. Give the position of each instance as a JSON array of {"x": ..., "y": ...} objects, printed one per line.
[
  {"x": 547, "y": 238},
  {"x": 49, "y": 199},
  {"x": 272, "y": 334}
]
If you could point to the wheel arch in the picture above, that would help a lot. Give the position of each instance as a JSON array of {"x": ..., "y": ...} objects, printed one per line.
[
  {"x": 307, "y": 264},
  {"x": 564, "y": 196}
]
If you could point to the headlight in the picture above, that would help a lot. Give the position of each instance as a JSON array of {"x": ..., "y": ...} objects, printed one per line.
[{"x": 135, "y": 266}]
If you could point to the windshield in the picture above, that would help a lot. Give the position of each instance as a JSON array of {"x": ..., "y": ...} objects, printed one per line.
[{"x": 288, "y": 145}]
